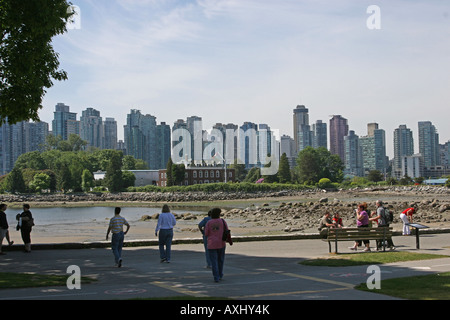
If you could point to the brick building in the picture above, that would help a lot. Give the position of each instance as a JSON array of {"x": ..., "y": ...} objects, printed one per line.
[{"x": 200, "y": 175}]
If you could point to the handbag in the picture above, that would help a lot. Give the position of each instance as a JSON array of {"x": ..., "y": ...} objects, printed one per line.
[{"x": 226, "y": 236}]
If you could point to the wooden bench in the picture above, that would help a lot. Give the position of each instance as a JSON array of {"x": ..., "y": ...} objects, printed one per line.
[{"x": 355, "y": 234}]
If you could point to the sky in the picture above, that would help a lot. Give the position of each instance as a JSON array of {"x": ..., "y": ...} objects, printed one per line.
[{"x": 232, "y": 61}]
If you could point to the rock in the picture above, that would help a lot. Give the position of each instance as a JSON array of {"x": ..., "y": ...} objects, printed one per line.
[{"x": 155, "y": 216}]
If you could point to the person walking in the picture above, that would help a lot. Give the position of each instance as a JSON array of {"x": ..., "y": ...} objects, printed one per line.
[
  {"x": 216, "y": 245},
  {"x": 383, "y": 221},
  {"x": 362, "y": 221},
  {"x": 201, "y": 227},
  {"x": 4, "y": 232},
  {"x": 26, "y": 223},
  {"x": 166, "y": 222},
  {"x": 118, "y": 235},
  {"x": 407, "y": 217}
]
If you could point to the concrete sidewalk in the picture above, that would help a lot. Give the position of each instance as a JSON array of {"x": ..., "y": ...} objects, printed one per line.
[{"x": 259, "y": 270}]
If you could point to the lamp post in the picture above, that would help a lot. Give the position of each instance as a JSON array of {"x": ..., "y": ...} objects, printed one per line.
[{"x": 225, "y": 163}]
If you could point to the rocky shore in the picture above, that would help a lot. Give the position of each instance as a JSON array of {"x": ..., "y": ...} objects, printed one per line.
[
  {"x": 275, "y": 212},
  {"x": 171, "y": 197}
]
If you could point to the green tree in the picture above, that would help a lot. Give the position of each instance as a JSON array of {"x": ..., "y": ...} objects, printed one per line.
[
  {"x": 14, "y": 181},
  {"x": 63, "y": 177},
  {"x": 41, "y": 181},
  {"x": 284, "y": 171},
  {"x": 28, "y": 62},
  {"x": 87, "y": 180},
  {"x": 178, "y": 173},
  {"x": 239, "y": 171},
  {"x": 128, "y": 163},
  {"x": 324, "y": 183},
  {"x": 169, "y": 177},
  {"x": 315, "y": 164},
  {"x": 76, "y": 143},
  {"x": 32, "y": 160},
  {"x": 128, "y": 179},
  {"x": 113, "y": 176},
  {"x": 253, "y": 175},
  {"x": 374, "y": 176},
  {"x": 141, "y": 164},
  {"x": 308, "y": 166}
]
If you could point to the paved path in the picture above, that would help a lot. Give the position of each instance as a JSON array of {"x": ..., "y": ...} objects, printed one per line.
[{"x": 266, "y": 270}]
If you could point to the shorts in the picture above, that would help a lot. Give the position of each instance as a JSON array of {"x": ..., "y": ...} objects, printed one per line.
[{"x": 3, "y": 233}]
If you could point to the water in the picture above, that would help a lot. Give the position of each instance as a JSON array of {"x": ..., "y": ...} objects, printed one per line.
[{"x": 73, "y": 216}]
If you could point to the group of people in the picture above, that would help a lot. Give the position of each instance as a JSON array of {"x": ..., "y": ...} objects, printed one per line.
[
  {"x": 25, "y": 225},
  {"x": 365, "y": 218},
  {"x": 212, "y": 228}
]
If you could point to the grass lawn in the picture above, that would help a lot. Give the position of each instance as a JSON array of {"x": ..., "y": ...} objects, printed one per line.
[
  {"x": 356, "y": 259},
  {"x": 9, "y": 280},
  {"x": 429, "y": 287}
]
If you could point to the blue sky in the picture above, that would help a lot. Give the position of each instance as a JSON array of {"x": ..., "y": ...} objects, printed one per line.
[{"x": 256, "y": 60}]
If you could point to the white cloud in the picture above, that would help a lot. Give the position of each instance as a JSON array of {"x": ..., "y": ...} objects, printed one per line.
[{"x": 248, "y": 60}]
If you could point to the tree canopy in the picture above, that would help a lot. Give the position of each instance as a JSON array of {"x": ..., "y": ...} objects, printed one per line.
[
  {"x": 28, "y": 62},
  {"x": 314, "y": 164}
]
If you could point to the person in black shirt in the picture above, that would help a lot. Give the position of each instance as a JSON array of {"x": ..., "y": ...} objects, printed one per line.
[
  {"x": 4, "y": 233},
  {"x": 26, "y": 223}
]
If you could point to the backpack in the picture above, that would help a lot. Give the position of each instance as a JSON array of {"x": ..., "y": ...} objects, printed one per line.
[{"x": 388, "y": 216}]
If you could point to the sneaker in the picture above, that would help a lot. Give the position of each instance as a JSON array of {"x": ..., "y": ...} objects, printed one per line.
[
  {"x": 353, "y": 248},
  {"x": 163, "y": 260},
  {"x": 367, "y": 249},
  {"x": 120, "y": 263}
]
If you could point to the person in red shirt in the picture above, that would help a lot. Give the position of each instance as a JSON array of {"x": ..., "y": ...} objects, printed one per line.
[
  {"x": 337, "y": 221},
  {"x": 407, "y": 218}
]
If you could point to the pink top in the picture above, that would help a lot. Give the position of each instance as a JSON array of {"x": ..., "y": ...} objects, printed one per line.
[
  {"x": 364, "y": 220},
  {"x": 214, "y": 231}
]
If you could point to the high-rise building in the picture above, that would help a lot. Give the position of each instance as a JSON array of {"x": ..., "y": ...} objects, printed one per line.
[
  {"x": 445, "y": 154},
  {"x": 91, "y": 128},
  {"x": 17, "y": 139},
  {"x": 338, "y": 130},
  {"x": 110, "y": 133},
  {"x": 35, "y": 134},
  {"x": 287, "y": 146},
  {"x": 403, "y": 147},
  {"x": 248, "y": 144},
  {"x": 320, "y": 134},
  {"x": 163, "y": 145},
  {"x": 353, "y": 155},
  {"x": 144, "y": 141},
  {"x": 302, "y": 129},
  {"x": 429, "y": 144},
  {"x": 412, "y": 166},
  {"x": 374, "y": 149},
  {"x": 230, "y": 142},
  {"x": 65, "y": 122}
]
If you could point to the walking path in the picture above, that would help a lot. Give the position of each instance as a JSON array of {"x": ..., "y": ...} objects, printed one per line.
[{"x": 260, "y": 270}]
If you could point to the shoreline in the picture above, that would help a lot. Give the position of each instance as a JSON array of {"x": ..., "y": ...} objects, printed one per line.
[{"x": 269, "y": 215}]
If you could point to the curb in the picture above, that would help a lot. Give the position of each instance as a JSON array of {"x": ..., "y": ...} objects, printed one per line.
[{"x": 154, "y": 242}]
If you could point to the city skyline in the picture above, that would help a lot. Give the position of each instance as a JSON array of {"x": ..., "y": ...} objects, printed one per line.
[
  {"x": 235, "y": 61},
  {"x": 389, "y": 144},
  {"x": 151, "y": 142}
]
